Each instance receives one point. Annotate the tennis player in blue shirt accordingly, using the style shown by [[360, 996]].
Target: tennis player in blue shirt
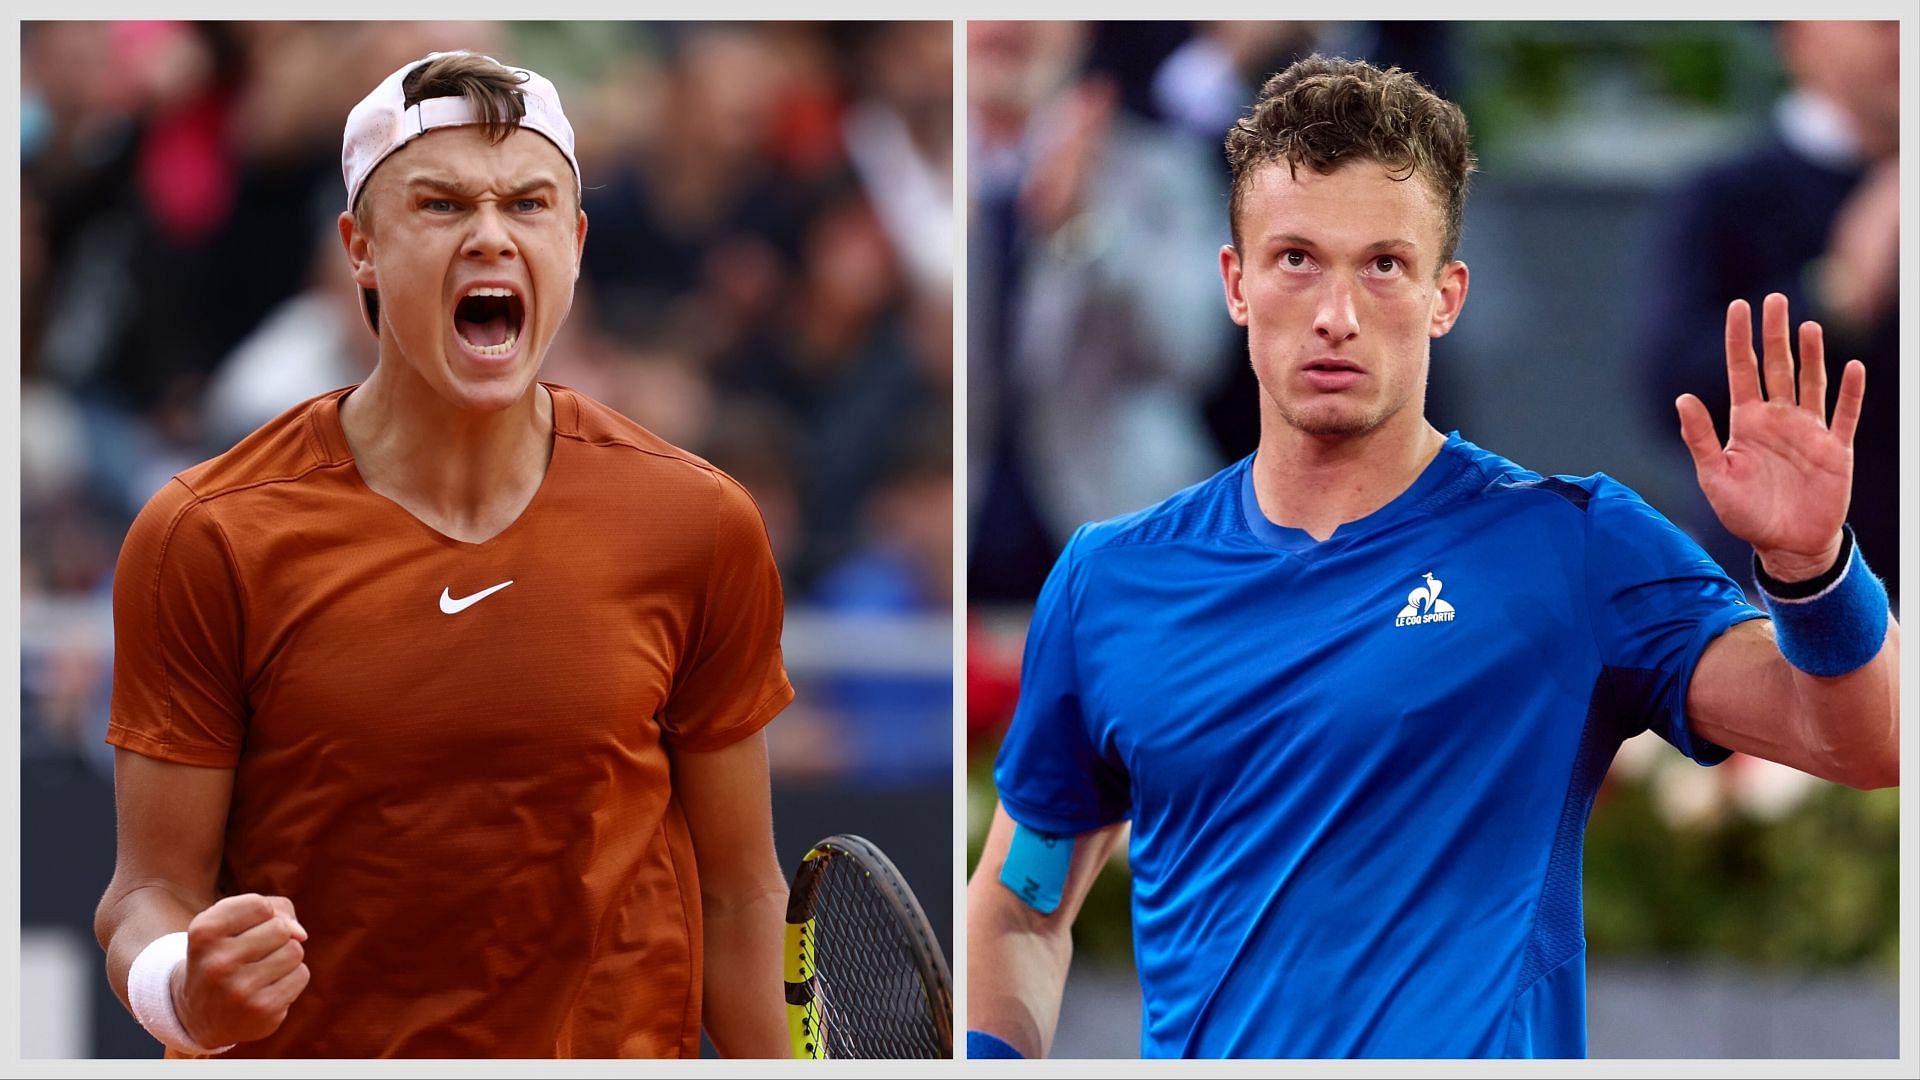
[[1355, 693]]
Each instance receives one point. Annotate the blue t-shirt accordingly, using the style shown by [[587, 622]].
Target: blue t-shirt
[[1359, 770]]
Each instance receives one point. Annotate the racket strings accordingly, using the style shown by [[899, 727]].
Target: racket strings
[[873, 1001]]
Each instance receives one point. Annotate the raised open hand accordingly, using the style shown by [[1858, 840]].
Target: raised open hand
[[1784, 479]]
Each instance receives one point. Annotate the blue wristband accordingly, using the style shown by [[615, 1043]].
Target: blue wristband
[[982, 1045], [1834, 623]]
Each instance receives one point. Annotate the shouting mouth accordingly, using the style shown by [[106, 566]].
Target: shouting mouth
[[488, 319]]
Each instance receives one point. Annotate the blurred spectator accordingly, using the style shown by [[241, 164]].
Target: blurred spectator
[[1208, 82], [897, 725], [307, 345], [1089, 356], [900, 142], [1812, 212]]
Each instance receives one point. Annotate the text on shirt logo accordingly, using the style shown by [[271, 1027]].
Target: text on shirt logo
[[1424, 605]]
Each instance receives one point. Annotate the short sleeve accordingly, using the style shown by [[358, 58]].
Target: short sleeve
[[1050, 774], [178, 689], [1657, 601], [731, 680]]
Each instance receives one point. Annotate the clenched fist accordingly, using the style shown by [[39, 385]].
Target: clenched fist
[[244, 969]]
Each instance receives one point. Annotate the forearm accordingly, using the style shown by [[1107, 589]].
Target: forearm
[[744, 1001], [1017, 963], [1846, 721], [1850, 725]]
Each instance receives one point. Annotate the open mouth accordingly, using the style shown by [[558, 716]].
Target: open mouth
[[488, 320]]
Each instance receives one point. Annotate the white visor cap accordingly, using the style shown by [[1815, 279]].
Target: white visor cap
[[383, 122]]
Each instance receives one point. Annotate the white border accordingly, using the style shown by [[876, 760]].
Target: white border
[[958, 10]]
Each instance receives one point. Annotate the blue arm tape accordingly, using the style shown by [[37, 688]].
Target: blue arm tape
[[1836, 629], [982, 1045], [1036, 867]]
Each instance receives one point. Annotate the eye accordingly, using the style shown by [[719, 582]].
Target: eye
[[529, 205], [1293, 258], [437, 206], [1385, 264]]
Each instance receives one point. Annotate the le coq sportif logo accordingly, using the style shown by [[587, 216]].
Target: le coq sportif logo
[[1424, 604]]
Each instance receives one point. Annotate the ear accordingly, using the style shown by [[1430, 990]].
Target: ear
[[1230, 280], [359, 245], [579, 244], [1452, 297]]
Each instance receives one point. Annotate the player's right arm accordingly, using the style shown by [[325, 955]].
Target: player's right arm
[[245, 957], [178, 723], [1017, 956]]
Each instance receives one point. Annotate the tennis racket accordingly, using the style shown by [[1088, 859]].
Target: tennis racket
[[865, 975]]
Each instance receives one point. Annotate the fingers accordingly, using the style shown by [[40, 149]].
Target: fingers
[[1846, 410], [282, 992], [1743, 381], [1813, 370], [283, 906], [256, 943], [1696, 430], [280, 963], [1776, 348], [233, 915]]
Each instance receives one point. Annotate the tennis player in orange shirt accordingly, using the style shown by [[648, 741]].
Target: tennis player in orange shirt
[[438, 700]]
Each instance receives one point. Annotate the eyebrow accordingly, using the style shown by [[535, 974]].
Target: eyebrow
[[455, 186], [1377, 246]]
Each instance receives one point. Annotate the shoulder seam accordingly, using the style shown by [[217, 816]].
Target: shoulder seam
[[159, 568], [682, 457], [315, 444], [706, 585], [235, 489], [153, 605]]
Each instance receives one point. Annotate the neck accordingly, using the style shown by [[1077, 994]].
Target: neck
[[1317, 483], [467, 474]]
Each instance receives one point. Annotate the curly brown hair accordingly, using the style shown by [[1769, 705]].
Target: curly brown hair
[[1324, 112]]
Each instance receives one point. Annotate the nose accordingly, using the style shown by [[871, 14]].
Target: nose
[[1334, 319], [490, 238]]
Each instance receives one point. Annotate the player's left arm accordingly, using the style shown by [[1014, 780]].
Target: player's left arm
[[728, 800], [1817, 688]]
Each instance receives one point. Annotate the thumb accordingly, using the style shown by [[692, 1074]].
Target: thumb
[[1696, 430]]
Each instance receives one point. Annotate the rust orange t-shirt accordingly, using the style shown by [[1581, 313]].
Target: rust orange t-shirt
[[453, 757]]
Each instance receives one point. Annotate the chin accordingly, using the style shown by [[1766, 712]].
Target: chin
[[488, 394], [1330, 423]]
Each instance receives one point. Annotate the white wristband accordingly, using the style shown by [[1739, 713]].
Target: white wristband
[[150, 992]]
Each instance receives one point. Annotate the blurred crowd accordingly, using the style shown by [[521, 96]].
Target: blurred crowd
[[767, 283]]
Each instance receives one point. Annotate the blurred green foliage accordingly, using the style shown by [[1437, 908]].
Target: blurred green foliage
[[1820, 887], [1524, 77]]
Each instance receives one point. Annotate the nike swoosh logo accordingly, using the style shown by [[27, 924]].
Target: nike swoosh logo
[[454, 607]]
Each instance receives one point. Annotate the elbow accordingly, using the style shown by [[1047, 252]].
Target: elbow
[[995, 914], [107, 914], [103, 922]]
